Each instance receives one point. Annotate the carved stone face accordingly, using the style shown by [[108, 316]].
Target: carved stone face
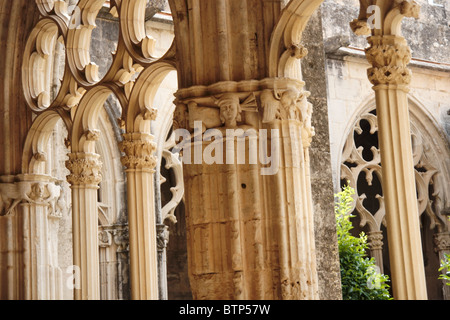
[[37, 191], [230, 110]]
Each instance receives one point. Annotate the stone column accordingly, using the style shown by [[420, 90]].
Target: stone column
[[250, 230], [162, 231], [31, 204], [84, 179], [140, 163], [375, 243], [442, 247], [389, 55], [43, 278], [121, 240], [249, 219]]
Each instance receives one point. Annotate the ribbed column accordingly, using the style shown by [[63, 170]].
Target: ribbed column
[[43, 279], [389, 56], [249, 215], [84, 179], [140, 163]]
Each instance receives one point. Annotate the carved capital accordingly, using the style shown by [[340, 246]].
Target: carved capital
[[139, 150], [33, 190], [375, 240], [85, 169], [389, 57], [442, 241], [290, 104]]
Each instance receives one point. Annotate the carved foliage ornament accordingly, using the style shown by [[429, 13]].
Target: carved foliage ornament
[[389, 57], [139, 151], [85, 169]]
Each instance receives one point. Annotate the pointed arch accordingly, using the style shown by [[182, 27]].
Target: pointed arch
[[36, 143]]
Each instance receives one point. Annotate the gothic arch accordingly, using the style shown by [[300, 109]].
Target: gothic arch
[[36, 143], [359, 164], [421, 121]]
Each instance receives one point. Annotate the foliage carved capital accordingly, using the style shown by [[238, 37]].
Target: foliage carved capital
[[139, 150], [389, 57], [85, 169]]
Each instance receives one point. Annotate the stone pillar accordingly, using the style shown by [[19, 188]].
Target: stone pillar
[[84, 179], [43, 278], [250, 229], [140, 162], [162, 231], [375, 243], [121, 240], [389, 55], [249, 219], [442, 247], [31, 205]]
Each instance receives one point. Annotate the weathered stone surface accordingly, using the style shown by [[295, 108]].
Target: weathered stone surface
[[321, 178]]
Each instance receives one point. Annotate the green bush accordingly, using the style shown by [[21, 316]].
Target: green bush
[[359, 276], [445, 264]]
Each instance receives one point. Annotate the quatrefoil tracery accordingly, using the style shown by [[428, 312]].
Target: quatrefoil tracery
[[82, 91]]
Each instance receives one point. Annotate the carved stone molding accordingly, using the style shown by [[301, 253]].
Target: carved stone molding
[[231, 104], [85, 169], [139, 150]]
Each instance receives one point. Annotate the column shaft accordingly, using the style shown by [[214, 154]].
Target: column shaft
[[84, 179], [140, 164]]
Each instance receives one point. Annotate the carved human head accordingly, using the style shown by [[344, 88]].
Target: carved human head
[[37, 190], [289, 98], [230, 109]]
